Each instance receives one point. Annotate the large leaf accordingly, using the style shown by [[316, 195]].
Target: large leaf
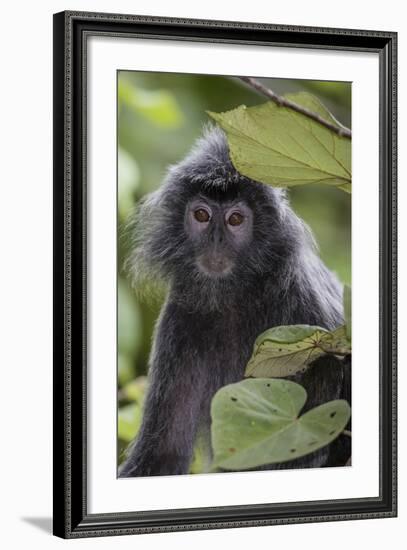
[[285, 350], [279, 146], [255, 422]]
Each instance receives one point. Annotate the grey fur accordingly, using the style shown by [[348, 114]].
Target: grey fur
[[206, 330]]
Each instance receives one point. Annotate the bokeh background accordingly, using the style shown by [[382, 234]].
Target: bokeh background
[[159, 117]]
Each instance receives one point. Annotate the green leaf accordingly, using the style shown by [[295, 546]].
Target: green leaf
[[202, 457], [129, 321], [286, 350], [347, 187], [158, 106], [125, 371], [128, 181], [255, 422], [135, 390], [347, 308], [336, 342], [279, 146], [288, 334], [129, 421]]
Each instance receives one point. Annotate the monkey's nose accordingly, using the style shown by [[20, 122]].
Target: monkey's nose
[[215, 264]]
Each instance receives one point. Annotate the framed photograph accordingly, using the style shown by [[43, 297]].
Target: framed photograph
[[224, 274]]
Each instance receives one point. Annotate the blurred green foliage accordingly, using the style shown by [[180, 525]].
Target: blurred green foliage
[[159, 117]]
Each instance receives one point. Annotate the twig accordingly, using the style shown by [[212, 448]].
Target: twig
[[284, 102], [347, 432]]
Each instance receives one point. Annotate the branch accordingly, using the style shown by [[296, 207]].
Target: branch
[[283, 102]]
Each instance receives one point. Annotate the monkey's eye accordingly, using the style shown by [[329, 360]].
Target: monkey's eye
[[201, 215], [235, 219]]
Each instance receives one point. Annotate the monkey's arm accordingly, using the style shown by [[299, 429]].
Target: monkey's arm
[[164, 445]]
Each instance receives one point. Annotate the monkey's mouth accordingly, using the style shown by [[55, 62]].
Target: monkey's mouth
[[214, 265]]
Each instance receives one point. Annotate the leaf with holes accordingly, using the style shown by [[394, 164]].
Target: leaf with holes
[[276, 145], [256, 422], [286, 350]]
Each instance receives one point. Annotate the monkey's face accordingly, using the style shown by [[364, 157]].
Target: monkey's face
[[220, 231]]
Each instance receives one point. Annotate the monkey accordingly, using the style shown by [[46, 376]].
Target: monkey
[[236, 260]]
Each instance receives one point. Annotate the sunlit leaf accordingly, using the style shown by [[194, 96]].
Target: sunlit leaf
[[202, 457], [128, 181], [347, 187], [129, 421], [255, 422], [135, 390], [124, 368], [129, 322], [279, 146], [338, 92], [158, 106], [286, 350]]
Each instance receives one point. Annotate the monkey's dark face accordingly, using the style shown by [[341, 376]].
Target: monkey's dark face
[[219, 232], [211, 232]]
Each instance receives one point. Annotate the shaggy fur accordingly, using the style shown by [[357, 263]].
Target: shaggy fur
[[205, 333]]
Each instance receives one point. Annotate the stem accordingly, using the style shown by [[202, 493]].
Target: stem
[[284, 102], [341, 352], [347, 432]]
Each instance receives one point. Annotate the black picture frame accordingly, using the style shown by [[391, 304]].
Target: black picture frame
[[71, 518]]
